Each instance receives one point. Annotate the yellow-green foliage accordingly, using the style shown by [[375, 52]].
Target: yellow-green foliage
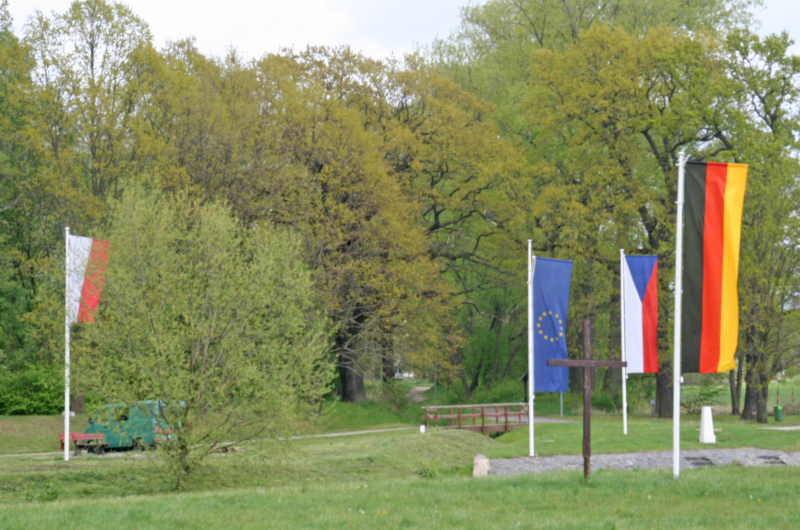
[[201, 310]]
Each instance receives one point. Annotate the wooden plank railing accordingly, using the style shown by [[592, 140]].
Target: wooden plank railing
[[495, 417]]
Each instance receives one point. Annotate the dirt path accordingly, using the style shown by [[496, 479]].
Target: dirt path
[[416, 393]]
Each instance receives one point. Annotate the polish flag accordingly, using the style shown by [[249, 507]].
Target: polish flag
[[640, 307], [86, 268]]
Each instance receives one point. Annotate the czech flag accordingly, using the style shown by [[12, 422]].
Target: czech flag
[[714, 203], [640, 310], [86, 267]]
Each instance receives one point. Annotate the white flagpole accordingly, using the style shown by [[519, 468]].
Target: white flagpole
[[66, 348], [531, 262], [676, 362], [622, 343]]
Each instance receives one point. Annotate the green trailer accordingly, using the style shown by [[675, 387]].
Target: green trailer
[[136, 426]]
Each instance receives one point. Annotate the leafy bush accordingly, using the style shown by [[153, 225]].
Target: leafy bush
[[706, 392], [641, 389], [396, 396], [33, 390], [602, 400], [509, 391], [429, 469]]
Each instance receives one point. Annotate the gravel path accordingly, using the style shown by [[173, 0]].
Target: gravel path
[[655, 460]]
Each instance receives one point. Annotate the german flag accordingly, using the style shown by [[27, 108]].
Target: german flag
[[710, 329]]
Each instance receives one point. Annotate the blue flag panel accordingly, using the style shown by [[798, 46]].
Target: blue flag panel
[[551, 279], [641, 268]]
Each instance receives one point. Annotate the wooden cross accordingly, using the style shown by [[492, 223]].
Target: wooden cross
[[587, 390]]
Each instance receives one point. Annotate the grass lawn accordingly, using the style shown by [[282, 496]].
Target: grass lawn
[[262, 464], [646, 434], [400, 480], [345, 417], [729, 497], [35, 434]]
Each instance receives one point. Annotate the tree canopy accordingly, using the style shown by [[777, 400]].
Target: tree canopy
[[405, 189]]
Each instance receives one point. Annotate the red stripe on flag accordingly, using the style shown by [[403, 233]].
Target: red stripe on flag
[[713, 243], [93, 281], [650, 323]]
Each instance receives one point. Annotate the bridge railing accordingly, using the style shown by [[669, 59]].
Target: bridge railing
[[489, 417]]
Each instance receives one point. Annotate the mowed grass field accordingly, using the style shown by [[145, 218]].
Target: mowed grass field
[[403, 480], [35, 434], [648, 434], [731, 497]]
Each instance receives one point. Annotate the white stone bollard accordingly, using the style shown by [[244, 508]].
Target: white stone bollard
[[480, 466], [707, 427], [422, 429]]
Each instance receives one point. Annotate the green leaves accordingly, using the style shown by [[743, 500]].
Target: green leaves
[[201, 310]]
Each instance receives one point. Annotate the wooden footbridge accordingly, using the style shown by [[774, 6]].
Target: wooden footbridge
[[491, 417]]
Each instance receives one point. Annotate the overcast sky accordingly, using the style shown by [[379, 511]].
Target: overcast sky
[[375, 27]]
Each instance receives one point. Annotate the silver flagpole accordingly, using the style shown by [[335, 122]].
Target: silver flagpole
[[676, 362], [531, 262], [622, 343], [66, 348]]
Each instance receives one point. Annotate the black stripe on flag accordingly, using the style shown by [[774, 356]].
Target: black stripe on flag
[[692, 320]]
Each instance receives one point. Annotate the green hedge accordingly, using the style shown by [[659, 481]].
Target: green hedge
[[32, 390]]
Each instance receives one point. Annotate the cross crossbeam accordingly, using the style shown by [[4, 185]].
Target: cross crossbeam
[[580, 363], [586, 363]]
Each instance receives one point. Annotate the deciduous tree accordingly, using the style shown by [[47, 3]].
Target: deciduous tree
[[203, 311]]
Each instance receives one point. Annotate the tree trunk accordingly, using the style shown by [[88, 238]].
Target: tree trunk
[[594, 375], [511, 361], [761, 404], [739, 381], [463, 378], [458, 361], [736, 382], [79, 404], [576, 373], [387, 368], [664, 377], [749, 409], [762, 393], [499, 322], [476, 377], [612, 381], [664, 407], [352, 379], [351, 374], [735, 393], [576, 380]]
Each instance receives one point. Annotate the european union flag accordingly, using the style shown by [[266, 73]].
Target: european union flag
[[551, 279]]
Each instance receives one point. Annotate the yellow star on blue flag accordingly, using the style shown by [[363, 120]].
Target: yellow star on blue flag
[[551, 282]]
